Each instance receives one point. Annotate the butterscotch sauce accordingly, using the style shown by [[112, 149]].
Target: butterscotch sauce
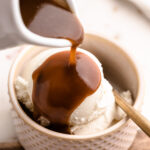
[[47, 19], [59, 88], [65, 79]]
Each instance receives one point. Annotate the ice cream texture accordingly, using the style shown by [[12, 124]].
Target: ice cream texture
[[94, 114]]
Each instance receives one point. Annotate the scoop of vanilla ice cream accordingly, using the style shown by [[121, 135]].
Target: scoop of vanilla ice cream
[[94, 114]]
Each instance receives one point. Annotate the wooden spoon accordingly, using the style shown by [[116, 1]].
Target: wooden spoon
[[136, 116]]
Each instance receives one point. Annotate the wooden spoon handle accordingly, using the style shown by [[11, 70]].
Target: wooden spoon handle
[[136, 116]]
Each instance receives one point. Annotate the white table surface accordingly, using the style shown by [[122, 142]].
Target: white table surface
[[116, 20]]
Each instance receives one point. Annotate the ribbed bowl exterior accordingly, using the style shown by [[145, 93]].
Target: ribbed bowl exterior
[[32, 139]]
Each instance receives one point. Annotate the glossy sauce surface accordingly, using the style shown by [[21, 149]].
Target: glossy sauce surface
[[59, 88], [65, 79], [47, 19]]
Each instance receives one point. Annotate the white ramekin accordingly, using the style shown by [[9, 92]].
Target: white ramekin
[[119, 67]]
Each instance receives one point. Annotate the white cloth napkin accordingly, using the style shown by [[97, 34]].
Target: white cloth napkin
[[7, 132]]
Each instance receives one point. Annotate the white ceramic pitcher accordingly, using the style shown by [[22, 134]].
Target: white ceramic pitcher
[[13, 31]]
